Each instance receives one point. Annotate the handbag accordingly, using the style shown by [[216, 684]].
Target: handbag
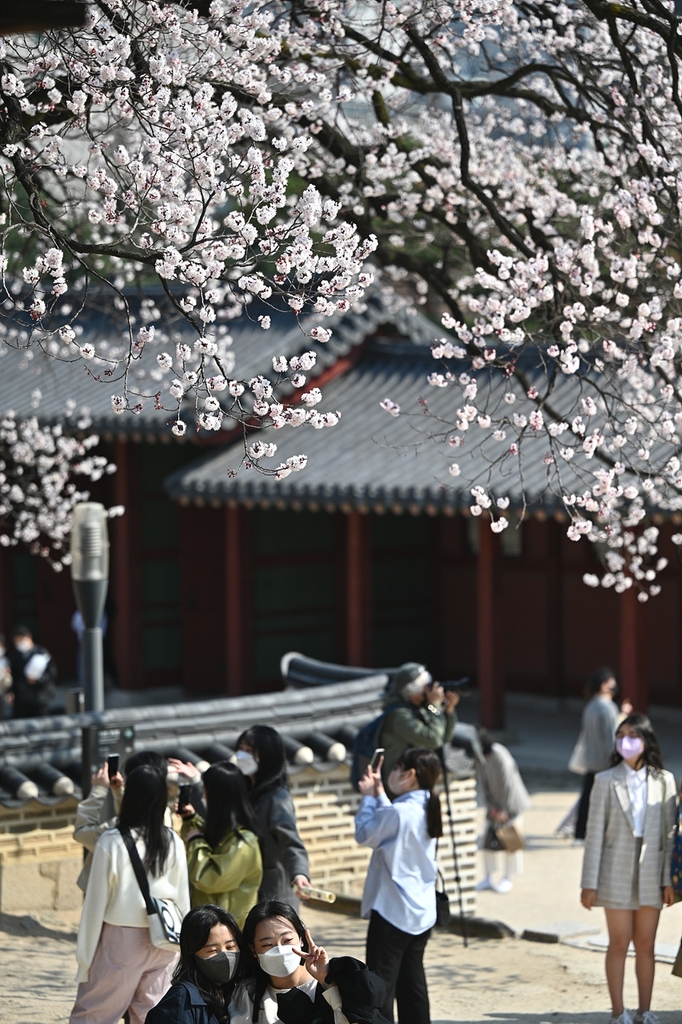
[[442, 903], [491, 840], [511, 837], [163, 916]]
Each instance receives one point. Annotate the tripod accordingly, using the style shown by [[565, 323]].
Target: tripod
[[455, 858]]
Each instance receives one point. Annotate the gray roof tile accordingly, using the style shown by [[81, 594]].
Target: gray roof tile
[[373, 461], [71, 394]]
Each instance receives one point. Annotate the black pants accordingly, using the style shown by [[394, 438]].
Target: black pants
[[398, 959], [584, 806]]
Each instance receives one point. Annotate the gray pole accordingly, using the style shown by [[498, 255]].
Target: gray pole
[[93, 669], [90, 576], [90, 597]]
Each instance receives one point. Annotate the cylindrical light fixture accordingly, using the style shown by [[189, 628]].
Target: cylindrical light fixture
[[89, 544]]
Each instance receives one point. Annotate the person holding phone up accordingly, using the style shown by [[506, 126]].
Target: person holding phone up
[[99, 811], [223, 855], [417, 713], [399, 897]]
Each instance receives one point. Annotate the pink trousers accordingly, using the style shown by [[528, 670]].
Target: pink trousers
[[127, 973]]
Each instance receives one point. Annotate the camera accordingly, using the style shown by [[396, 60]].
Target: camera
[[450, 685]]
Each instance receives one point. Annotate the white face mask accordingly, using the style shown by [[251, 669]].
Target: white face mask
[[24, 646], [2, 651], [247, 763], [280, 961]]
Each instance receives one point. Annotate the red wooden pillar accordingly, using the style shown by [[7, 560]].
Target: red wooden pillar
[[489, 681], [632, 670], [358, 590], [556, 671], [234, 603], [124, 560]]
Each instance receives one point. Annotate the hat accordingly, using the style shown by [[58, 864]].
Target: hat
[[411, 679]]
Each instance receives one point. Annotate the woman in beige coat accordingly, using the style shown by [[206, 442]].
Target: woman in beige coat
[[626, 868]]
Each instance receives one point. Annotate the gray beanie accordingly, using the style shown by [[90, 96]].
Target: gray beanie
[[411, 679]]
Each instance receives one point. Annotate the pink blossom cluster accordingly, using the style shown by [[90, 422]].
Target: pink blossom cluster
[[38, 465]]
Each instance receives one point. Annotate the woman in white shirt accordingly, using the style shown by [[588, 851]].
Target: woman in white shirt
[[399, 895], [118, 967], [626, 867]]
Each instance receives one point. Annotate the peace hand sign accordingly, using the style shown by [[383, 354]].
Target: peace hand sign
[[316, 961]]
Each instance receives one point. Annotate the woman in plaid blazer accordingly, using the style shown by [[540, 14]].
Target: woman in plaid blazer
[[626, 868]]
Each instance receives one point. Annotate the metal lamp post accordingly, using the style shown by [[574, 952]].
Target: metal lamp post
[[90, 575]]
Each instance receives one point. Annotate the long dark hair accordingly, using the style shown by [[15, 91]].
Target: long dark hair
[[268, 748], [143, 808], [193, 937], [652, 756], [150, 757], [228, 807], [426, 765], [596, 680], [263, 911]]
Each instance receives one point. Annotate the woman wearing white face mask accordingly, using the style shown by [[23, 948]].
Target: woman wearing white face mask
[[626, 868], [261, 757], [290, 980], [399, 896]]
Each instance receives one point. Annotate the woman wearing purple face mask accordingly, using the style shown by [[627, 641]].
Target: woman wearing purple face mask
[[626, 868]]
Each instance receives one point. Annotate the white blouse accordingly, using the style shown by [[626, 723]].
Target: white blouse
[[637, 788]]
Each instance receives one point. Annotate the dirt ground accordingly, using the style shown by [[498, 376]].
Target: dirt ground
[[510, 980]]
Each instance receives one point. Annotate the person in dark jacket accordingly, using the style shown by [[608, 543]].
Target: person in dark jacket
[[420, 714], [34, 675], [287, 979], [262, 758], [211, 947]]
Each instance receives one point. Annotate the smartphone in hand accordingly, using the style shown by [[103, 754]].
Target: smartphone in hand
[[376, 757], [112, 764], [184, 797]]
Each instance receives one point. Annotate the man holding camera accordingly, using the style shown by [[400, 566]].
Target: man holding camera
[[422, 715]]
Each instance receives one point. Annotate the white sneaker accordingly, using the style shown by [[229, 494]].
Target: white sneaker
[[624, 1018], [485, 883], [504, 885], [646, 1017]]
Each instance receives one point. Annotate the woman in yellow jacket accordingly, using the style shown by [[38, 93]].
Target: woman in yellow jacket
[[223, 853]]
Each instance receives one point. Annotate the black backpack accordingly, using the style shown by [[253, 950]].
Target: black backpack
[[365, 744]]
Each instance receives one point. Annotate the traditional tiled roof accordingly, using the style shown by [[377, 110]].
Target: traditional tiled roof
[[71, 394], [317, 726], [372, 461]]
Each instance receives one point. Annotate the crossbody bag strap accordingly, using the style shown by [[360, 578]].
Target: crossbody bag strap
[[138, 869], [440, 873]]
